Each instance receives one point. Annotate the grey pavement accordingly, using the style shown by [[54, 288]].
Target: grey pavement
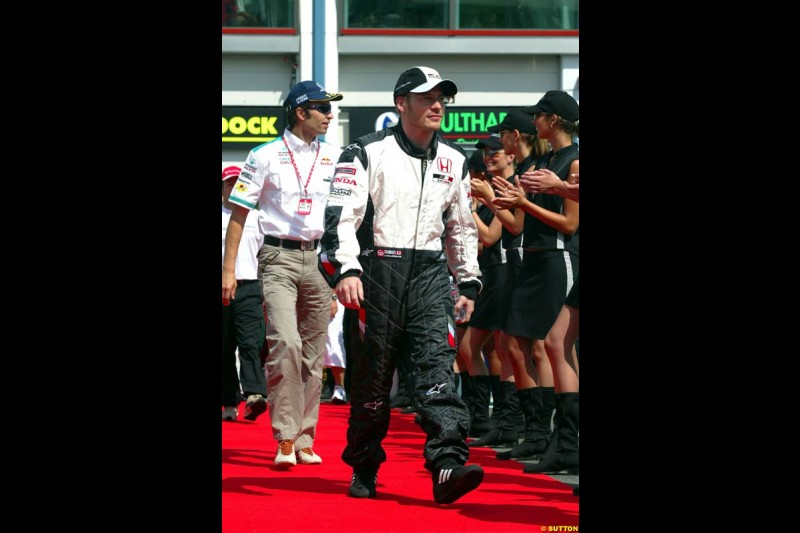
[[571, 480]]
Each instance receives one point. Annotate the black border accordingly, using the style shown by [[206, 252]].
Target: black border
[[147, 260]]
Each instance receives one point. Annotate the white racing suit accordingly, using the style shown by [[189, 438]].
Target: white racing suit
[[400, 218]]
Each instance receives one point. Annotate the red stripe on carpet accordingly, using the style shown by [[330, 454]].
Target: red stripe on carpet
[[258, 497]]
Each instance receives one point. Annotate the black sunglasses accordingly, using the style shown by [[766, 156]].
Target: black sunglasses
[[322, 108]]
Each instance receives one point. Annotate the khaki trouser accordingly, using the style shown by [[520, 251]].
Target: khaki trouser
[[298, 303]]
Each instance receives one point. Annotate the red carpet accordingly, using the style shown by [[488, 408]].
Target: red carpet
[[257, 497]]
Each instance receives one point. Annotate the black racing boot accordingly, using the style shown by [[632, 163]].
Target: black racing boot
[[480, 423], [452, 481], [504, 432], [564, 456], [363, 482]]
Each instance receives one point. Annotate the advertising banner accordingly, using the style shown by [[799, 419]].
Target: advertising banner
[[247, 127]]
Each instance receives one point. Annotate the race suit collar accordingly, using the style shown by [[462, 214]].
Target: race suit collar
[[408, 147]]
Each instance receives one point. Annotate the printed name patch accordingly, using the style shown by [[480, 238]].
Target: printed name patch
[[443, 178], [344, 170], [336, 191], [389, 253]]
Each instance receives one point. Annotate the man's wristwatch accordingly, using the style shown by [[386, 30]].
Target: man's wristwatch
[[334, 297]]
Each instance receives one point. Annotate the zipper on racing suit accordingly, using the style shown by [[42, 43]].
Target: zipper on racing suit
[[424, 167]]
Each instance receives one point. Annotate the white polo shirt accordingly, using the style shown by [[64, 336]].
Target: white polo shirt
[[252, 239], [270, 183]]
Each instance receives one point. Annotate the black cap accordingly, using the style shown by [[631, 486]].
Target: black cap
[[476, 161], [556, 102], [492, 142], [421, 80], [516, 119]]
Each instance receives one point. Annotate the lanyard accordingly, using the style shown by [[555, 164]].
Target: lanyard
[[297, 172]]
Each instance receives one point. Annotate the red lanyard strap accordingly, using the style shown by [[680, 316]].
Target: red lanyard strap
[[296, 171]]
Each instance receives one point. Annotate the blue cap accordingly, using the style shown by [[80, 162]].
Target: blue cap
[[308, 91]]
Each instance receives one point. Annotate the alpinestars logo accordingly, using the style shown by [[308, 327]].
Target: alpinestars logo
[[373, 405], [436, 389]]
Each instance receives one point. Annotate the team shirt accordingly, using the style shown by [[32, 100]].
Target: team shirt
[[252, 239], [288, 181]]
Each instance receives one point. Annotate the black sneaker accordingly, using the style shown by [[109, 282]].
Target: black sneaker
[[453, 481], [362, 484], [399, 401], [326, 393], [255, 405]]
